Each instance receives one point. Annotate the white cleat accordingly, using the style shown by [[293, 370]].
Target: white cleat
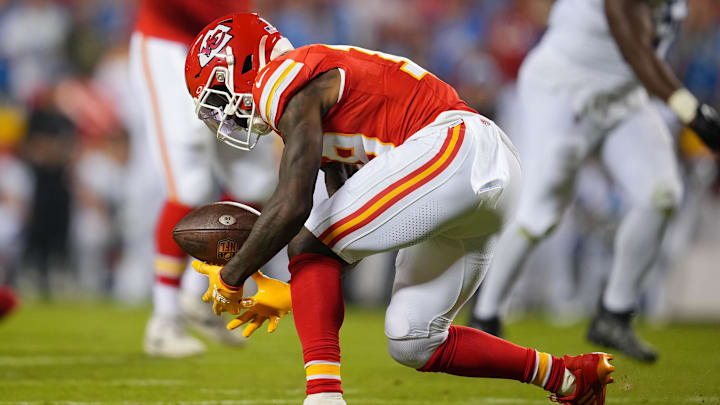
[[201, 318], [165, 336], [325, 398]]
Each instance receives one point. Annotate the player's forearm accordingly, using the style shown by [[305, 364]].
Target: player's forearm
[[631, 25], [280, 221], [653, 73], [288, 208]]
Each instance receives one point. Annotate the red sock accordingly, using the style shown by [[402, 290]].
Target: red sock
[[170, 260], [472, 353], [8, 301], [318, 309]]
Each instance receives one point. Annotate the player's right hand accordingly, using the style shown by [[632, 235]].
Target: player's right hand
[[706, 125], [224, 298]]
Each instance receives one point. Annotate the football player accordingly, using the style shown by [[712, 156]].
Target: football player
[[437, 182], [585, 90], [189, 162]]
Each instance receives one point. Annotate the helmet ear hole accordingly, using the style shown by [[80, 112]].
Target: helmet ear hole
[[247, 65]]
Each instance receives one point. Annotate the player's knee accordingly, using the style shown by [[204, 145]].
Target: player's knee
[[668, 198], [415, 352], [537, 225], [665, 197]]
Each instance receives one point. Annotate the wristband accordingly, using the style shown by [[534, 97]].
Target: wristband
[[227, 286], [684, 104]]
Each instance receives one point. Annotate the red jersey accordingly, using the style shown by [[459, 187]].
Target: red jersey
[[181, 20], [384, 99]]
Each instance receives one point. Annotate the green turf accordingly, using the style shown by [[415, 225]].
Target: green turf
[[91, 353]]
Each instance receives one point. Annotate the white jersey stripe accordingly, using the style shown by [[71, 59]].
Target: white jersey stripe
[[276, 95], [342, 84], [323, 377], [268, 87], [537, 364]]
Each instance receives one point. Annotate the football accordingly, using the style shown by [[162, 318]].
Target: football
[[214, 232]]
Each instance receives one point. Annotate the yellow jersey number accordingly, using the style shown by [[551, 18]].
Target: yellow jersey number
[[407, 66]]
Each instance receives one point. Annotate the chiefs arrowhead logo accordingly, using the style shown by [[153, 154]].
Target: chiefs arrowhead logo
[[213, 42]]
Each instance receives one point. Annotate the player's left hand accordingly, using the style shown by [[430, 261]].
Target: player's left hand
[[271, 302], [702, 119], [224, 298], [706, 125]]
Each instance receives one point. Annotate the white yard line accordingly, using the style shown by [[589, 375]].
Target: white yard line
[[25, 361], [358, 401], [227, 402], [149, 382]]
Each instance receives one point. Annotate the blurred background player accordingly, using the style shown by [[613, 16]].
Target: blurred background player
[[586, 89], [190, 162]]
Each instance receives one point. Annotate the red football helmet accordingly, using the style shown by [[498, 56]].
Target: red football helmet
[[220, 70]]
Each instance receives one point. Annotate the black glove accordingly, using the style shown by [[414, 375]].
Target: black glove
[[707, 126]]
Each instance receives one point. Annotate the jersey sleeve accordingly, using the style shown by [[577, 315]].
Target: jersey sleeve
[[275, 85]]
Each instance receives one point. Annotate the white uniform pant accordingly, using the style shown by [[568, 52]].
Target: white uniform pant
[[438, 198], [638, 152], [186, 151]]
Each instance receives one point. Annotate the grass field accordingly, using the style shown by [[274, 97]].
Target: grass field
[[83, 354]]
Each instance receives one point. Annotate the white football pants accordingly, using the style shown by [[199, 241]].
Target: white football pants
[[439, 199], [639, 154]]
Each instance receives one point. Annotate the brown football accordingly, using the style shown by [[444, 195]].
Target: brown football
[[214, 232]]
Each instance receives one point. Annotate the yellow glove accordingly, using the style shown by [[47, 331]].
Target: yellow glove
[[272, 302], [224, 297]]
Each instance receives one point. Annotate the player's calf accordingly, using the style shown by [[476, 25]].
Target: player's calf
[[170, 261], [319, 310], [165, 334], [573, 379]]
